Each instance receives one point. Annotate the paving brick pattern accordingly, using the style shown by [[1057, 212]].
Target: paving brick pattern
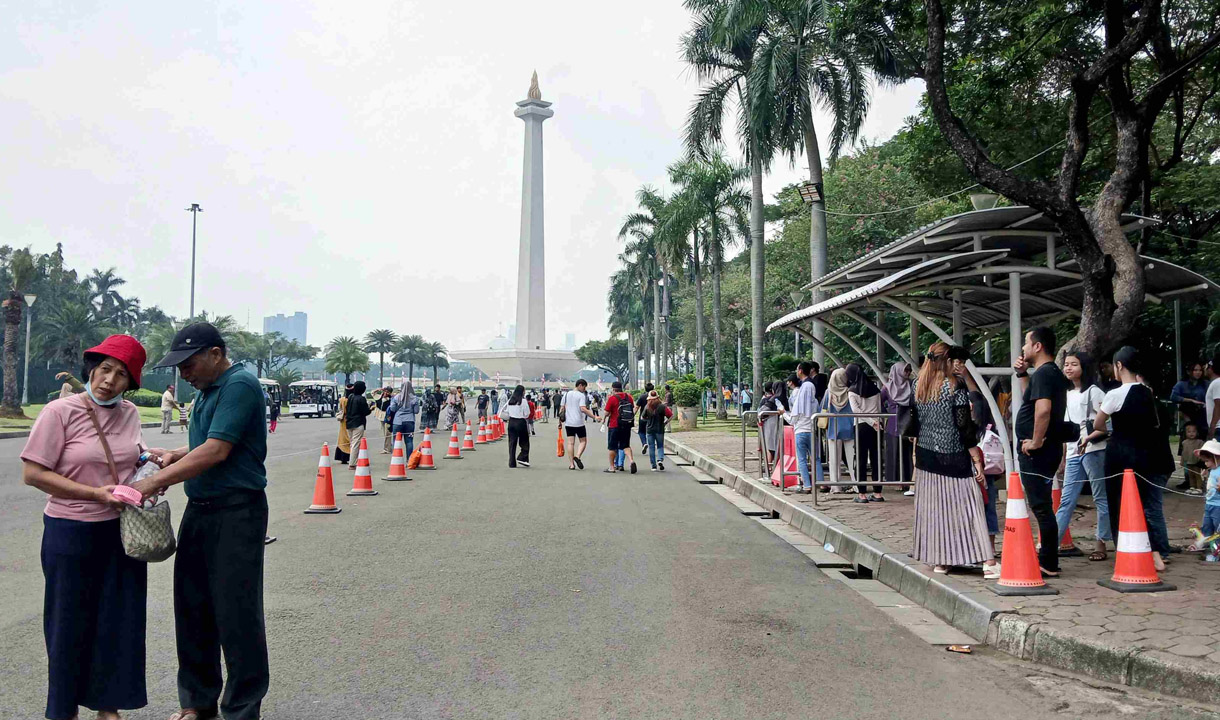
[[1184, 623]]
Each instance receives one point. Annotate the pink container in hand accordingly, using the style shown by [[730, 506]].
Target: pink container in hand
[[128, 494]]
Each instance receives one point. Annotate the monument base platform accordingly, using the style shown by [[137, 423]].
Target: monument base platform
[[521, 363]]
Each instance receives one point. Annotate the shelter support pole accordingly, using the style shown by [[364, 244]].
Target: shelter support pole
[[851, 343], [880, 340], [914, 332], [957, 317], [1015, 342], [1010, 462], [881, 334], [819, 344], [1177, 342]]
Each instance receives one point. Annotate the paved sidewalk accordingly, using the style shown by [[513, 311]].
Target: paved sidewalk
[[1180, 628]]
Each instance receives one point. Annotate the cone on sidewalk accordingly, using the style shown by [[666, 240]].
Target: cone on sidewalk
[[362, 484], [1067, 548], [323, 488], [1019, 571], [454, 452], [425, 452], [482, 437], [398, 461], [1134, 570], [468, 441]]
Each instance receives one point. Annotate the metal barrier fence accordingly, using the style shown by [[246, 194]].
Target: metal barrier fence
[[827, 455]]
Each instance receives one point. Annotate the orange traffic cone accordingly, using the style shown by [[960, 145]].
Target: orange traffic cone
[[482, 437], [323, 488], [1019, 571], [1067, 548], [454, 452], [499, 428], [398, 461], [1133, 568], [425, 452], [363, 482], [468, 441]]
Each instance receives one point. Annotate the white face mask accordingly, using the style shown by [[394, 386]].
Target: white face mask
[[104, 403]]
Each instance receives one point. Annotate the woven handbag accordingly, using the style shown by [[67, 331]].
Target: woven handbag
[[146, 531]]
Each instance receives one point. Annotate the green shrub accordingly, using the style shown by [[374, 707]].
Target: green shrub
[[144, 398], [686, 394]]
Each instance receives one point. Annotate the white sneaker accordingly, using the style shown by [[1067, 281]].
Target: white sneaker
[[910, 493], [522, 462], [991, 572]]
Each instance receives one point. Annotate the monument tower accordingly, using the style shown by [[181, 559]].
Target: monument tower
[[529, 359]]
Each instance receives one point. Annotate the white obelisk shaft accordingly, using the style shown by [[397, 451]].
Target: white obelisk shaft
[[531, 265]]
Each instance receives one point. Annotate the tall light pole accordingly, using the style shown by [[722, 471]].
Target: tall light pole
[[194, 210], [796, 335], [812, 195], [25, 382], [741, 325]]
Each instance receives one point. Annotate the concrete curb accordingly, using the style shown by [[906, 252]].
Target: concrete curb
[[7, 434], [983, 616]]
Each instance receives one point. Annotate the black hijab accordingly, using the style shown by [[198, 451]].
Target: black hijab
[[860, 383], [820, 382]]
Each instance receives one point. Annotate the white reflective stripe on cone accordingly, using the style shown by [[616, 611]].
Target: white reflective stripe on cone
[[1016, 509], [1133, 542]]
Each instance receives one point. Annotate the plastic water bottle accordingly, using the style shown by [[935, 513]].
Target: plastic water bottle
[[146, 469]]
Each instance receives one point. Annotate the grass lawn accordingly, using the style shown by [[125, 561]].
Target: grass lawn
[[147, 414]]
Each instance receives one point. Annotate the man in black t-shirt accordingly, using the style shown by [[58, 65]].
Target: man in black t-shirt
[[1039, 435], [640, 403]]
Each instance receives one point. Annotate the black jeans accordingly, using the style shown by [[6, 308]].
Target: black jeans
[[867, 454], [1037, 472], [518, 434], [218, 604]]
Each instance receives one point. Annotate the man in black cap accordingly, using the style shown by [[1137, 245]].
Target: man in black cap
[[218, 571]]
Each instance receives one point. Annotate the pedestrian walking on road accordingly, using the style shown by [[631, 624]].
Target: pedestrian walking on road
[[356, 416], [483, 403], [519, 412], [94, 597], [1139, 442], [343, 446], [654, 416], [404, 407], [495, 402], [620, 418], [950, 525], [641, 403], [575, 409], [218, 569], [168, 405], [273, 415], [1041, 435]]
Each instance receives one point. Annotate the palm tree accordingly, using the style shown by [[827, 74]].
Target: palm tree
[[345, 355], [102, 284], [437, 357], [802, 61], [71, 328], [380, 342], [647, 227], [286, 377], [627, 317], [21, 272], [640, 261], [721, 48], [712, 194], [411, 349]]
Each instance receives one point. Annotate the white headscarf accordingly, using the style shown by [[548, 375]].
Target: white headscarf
[[838, 389]]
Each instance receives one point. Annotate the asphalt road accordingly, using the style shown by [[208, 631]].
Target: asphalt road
[[476, 591]]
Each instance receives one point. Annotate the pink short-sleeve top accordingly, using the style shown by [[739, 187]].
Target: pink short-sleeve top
[[63, 440]]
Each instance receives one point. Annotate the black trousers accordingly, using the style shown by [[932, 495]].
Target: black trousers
[[899, 461], [518, 434], [218, 605], [867, 454], [93, 618], [1037, 472]]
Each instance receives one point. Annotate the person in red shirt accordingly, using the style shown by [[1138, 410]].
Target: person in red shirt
[[620, 418]]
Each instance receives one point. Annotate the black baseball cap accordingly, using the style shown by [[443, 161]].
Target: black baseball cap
[[190, 340]]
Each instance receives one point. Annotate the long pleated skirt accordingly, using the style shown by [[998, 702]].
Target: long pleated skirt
[[950, 528]]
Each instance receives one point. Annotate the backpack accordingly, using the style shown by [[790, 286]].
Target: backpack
[[993, 452], [430, 405], [626, 410]]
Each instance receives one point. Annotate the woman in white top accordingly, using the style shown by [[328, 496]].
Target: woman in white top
[[519, 412], [865, 398], [1084, 460]]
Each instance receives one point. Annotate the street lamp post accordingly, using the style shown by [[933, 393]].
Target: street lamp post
[[25, 382], [796, 335], [194, 210], [741, 325]]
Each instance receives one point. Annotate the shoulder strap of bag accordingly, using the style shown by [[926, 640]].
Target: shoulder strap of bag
[[97, 426]]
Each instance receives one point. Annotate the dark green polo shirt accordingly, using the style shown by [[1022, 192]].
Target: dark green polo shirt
[[230, 409]]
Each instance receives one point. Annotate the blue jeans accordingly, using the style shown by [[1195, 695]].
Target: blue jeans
[[993, 520], [1154, 514], [804, 446], [1211, 520], [1078, 470], [408, 437], [656, 448], [619, 458]]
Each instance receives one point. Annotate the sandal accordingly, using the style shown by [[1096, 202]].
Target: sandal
[[189, 715], [1097, 556], [1049, 573]]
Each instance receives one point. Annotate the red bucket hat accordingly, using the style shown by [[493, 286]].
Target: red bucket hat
[[126, 350]]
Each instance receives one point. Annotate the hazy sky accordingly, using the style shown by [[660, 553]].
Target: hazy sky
[[357, 161]]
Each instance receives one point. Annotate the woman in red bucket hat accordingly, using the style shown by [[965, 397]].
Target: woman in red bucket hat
[[95, 595]]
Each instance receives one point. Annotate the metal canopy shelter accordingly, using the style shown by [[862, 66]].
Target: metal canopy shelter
[[983, 271]]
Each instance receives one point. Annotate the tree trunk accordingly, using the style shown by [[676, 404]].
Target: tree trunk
[[648, 334], [700, 363], [817, 225], [631, 358], [411, 372], [658, 376], [381, 372], [722, 412], [12, 326], [665, 326], [757, 266]]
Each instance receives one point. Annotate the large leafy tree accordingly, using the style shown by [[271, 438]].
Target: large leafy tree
[[645, 227], [438, 357], [380, 342], [412, 350], [609, 355], [345, 355], [627, 315], [104, 286]]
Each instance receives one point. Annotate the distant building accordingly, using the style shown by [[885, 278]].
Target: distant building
[[292, 327], [569, 342]]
